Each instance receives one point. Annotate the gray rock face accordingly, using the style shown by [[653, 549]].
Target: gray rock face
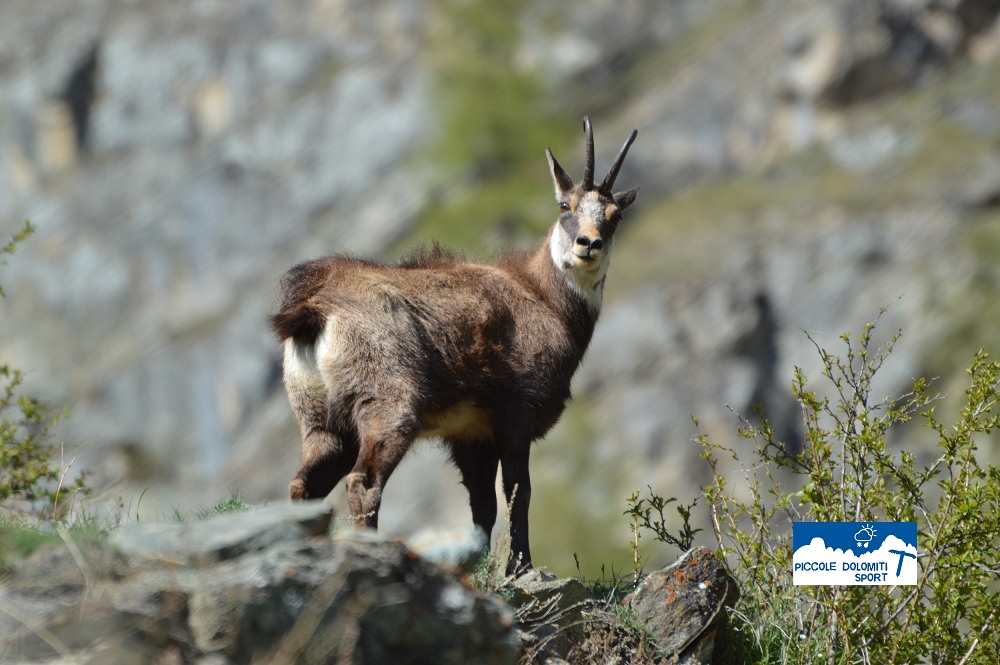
[[224, 146], [259, 586]]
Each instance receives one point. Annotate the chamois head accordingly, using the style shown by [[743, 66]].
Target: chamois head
[[581, 241]]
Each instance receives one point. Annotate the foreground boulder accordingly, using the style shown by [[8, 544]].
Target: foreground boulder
[[257, 587], [681, 609], [684, 605]]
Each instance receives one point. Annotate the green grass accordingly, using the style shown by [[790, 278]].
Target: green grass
[[572, 519], [971, 321], [18, 540], [696, 43], [496, 120], [23, 535], [489, 214], [234, 504]]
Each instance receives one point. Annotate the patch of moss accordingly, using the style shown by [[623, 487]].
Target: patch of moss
[[508, 211], [577, 501], [694, 43], [496, 120], [975, 317], [18, 541], [22, 536], [718, 211]]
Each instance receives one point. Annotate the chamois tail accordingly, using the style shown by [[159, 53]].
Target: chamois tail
[[300, 317], [302, 322]]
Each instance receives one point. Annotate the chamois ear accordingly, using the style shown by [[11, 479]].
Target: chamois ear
[[625, 199], [562, 181]]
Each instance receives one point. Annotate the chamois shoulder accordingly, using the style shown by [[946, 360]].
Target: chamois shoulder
[[430, 257], [533, 271]]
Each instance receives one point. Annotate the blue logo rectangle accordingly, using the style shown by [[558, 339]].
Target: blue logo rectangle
[[854, 553]]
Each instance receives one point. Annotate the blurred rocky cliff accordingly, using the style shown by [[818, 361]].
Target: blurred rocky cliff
[[802, 164]]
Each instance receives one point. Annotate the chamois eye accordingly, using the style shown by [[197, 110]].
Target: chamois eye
[[564, 206]]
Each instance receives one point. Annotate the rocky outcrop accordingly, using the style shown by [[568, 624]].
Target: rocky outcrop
[[264, 586], [270, 585], [552, 613], [682, 607]]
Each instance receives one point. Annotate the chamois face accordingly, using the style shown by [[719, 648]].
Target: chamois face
[[582, 238], [580, 242]]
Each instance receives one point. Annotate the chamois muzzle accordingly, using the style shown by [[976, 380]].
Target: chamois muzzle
[[589, 243]]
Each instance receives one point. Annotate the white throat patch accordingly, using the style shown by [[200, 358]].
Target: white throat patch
[[588, 281]]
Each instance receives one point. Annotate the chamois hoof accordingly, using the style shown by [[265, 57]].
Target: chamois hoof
[[297, 490]]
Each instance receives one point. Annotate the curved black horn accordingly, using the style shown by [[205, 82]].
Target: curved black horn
[[588, 169], [609, 180]]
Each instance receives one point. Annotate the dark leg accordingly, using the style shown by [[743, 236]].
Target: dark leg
[[478, 463], [327, 455], [517, 488], [326, 458], [384, 442]]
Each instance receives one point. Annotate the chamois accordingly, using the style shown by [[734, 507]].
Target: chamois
[[480, 356]]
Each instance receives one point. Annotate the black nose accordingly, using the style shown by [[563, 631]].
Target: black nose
[[596, 243]]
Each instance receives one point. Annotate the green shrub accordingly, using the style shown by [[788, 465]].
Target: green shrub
[[647, 514], [28, 471], [25, 462], [848, 472]]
